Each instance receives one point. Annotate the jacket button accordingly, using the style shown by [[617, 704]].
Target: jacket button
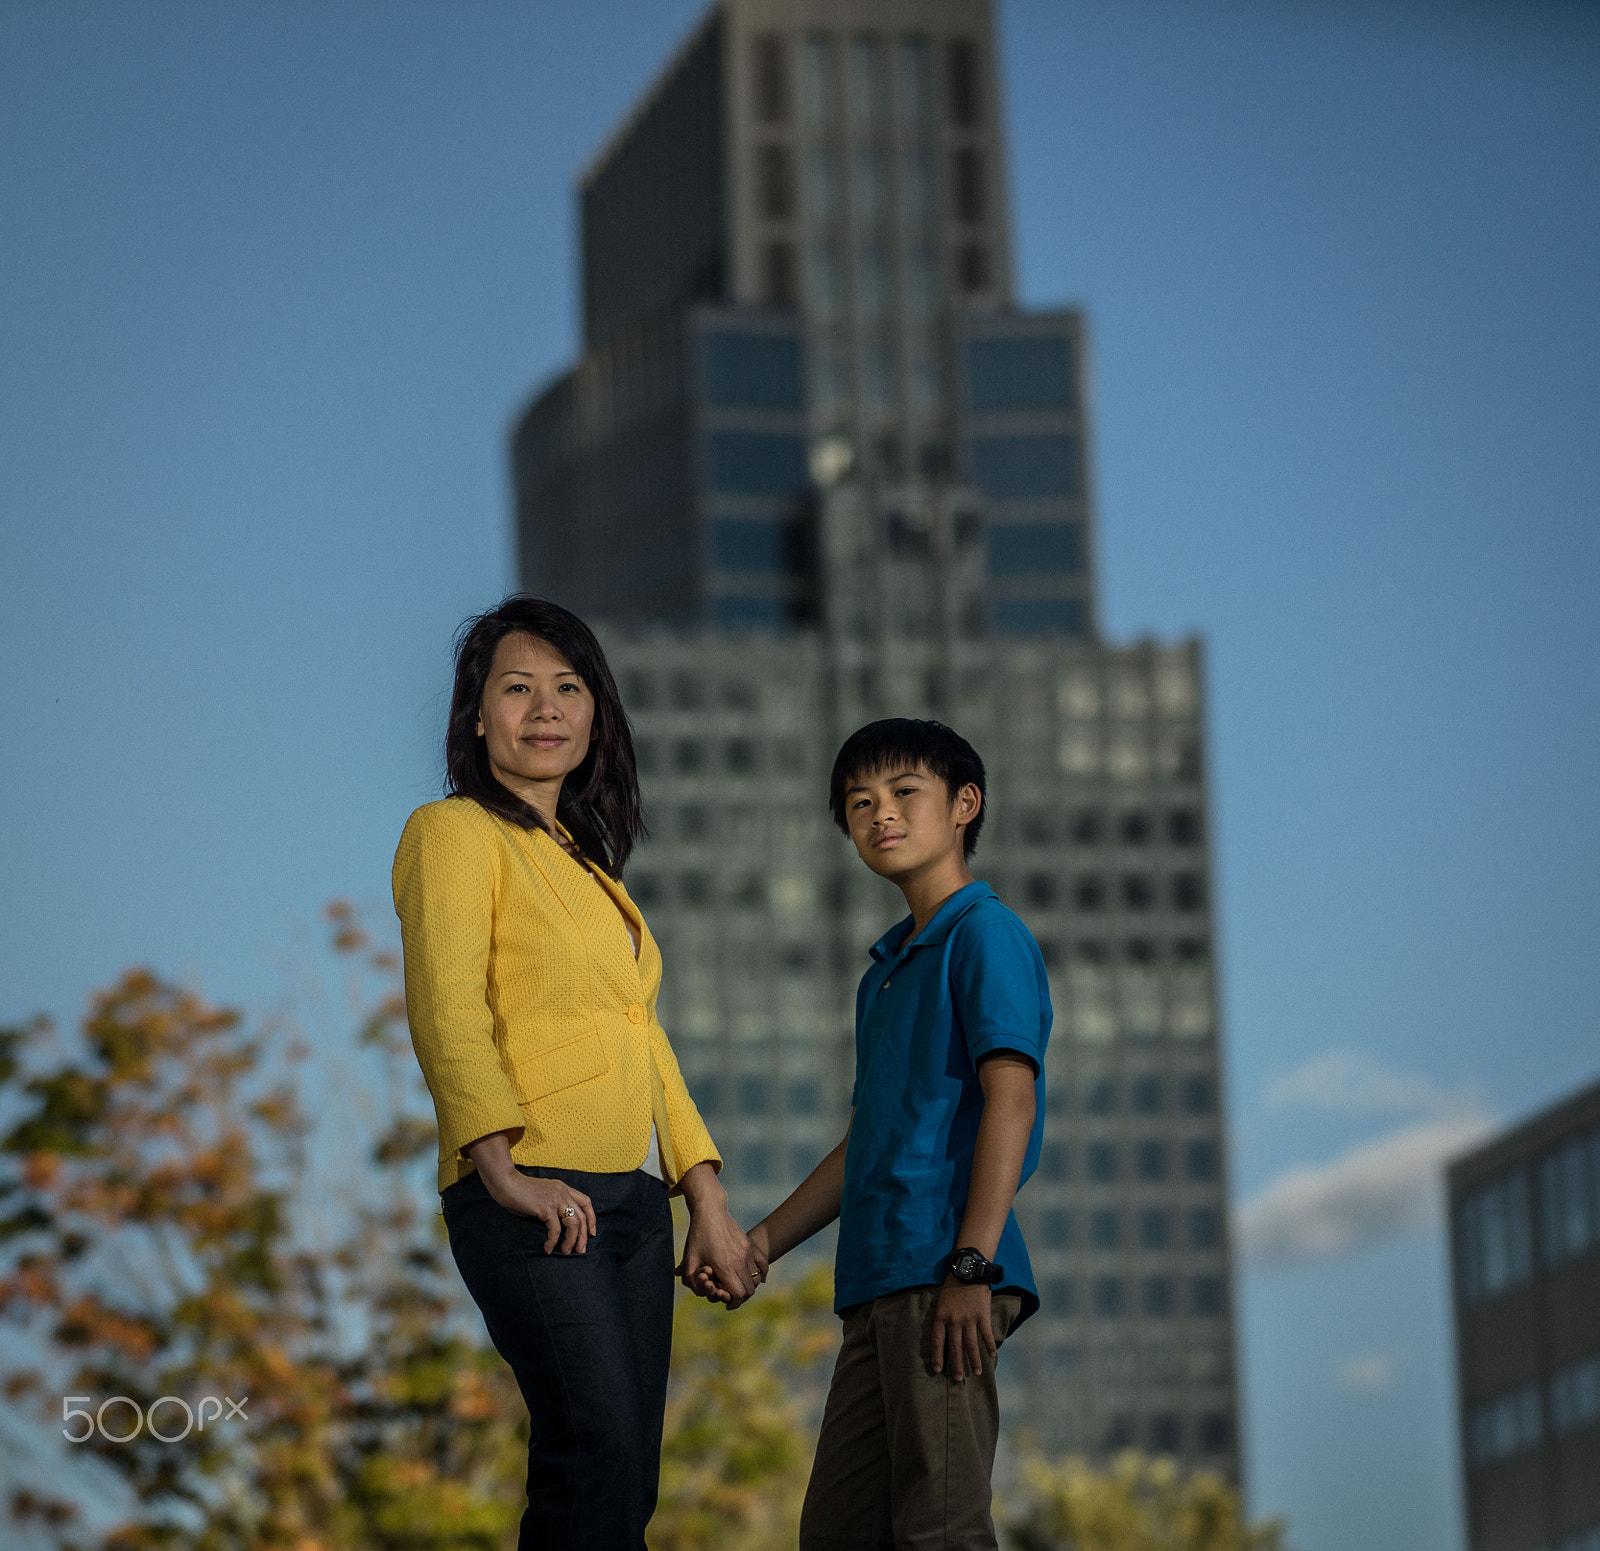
[[636, 1014]]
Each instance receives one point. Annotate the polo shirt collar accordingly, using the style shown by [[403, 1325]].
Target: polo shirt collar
[[889, 945]]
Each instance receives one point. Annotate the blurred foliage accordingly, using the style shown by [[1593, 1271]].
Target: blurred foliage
[[1138, 1504], [739, 1428]]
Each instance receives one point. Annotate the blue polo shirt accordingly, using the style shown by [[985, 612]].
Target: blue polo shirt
[[927, 1011]]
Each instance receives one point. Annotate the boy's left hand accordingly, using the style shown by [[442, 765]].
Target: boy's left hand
[[961, 1330]]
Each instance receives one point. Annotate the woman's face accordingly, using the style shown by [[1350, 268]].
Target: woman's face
[[535, 716]]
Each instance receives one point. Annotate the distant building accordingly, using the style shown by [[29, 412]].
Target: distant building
[[1525, 1240], [814, 467]]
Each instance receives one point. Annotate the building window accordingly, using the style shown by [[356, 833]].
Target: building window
[[770, 69], [756, 462], [972, 268], [1149, 1094], [1038, 616], [1151, 1159], [966, 184], [775, 182], [1183, 827], [1057, 1228], [755, 1095], [780, 275], [756, 1158], [868, 87], [1060, 1296], [1206, 1296], [694, 889], [1190, 950], [739, 756], [694, 822], [1139, 950], [1504, 1426], [1569, 1199], [803, 1158], [962, 99], [1575, 1396], [1088, 893], [1493, 1242], [1102, 1162], [1053, 1161], [688, 756], [1100, 1097], [1205, 1227], [1105, 1229], [645, 756], [756, 545], [1018, 374], [707, 1095], [1138, 893], [638, 691], [1025, 468], [1109, 1298], [733, 611], [1035, 548], [1155, 1228], [1216, 1432], [805, 1096], [646, 890], [1156, 1298], [1199, 1094], [751, 371], [1088, 827], [1200, 1160], [688, 692], [1188, 891], [1165, 1433], [907, 540], [1040, 890]]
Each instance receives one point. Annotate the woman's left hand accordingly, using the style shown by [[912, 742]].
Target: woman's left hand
[[719, 1262]]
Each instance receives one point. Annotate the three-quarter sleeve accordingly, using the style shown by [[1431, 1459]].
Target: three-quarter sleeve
[[689, 1139], [444, 889]]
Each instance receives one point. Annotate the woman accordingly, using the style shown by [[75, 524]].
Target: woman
[[564, 1123]]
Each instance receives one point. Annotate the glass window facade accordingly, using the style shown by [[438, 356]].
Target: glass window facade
[[1575, 1396], [756, 544], [1504, 1426], [1020, 468], [1493, 1241], [1569, 1199], [767, 463], [1033, 616], [752, 371], [735, 612], [1034, 548], [1019, 374]]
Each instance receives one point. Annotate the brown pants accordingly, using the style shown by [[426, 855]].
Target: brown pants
[[904, 1457]]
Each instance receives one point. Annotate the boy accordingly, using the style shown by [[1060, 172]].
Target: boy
[[946, 1118]]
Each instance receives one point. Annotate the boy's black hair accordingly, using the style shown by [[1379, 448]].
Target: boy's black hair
[[902, 743]]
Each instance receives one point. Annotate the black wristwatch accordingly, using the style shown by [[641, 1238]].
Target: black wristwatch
[[968, 1266]]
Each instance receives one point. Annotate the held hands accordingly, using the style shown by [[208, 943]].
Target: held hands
[[720, 1263], [961, 1330]]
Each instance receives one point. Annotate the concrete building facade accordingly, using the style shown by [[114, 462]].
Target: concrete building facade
[[1525, 1242], [815, 467]]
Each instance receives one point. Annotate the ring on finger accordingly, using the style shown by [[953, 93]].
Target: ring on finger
[[568, 1211]]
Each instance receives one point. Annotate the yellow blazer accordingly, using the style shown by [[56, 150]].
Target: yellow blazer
[[528, 1010]]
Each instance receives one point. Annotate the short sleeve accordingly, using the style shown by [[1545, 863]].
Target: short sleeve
[[998, 984]]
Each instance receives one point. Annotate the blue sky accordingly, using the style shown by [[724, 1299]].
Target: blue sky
[[274, 279]]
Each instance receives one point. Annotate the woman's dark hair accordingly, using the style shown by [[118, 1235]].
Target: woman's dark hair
[[901, 743], [599, 802]]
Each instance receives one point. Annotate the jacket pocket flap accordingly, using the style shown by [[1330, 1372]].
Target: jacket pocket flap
[[561, 1066]]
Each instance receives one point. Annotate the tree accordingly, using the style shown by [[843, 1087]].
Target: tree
[[167, 1229], [156, 1198], [1139, 1504]]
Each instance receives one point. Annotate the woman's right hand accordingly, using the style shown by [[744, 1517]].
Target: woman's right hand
[[567, 1212]]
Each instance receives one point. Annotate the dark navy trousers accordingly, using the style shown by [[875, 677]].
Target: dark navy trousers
[[589, 1338]]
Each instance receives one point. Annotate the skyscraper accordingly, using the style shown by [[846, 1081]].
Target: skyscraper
[[816, 467], [1525, 1236]]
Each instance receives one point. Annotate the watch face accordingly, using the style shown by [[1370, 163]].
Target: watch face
[[966, 1266]]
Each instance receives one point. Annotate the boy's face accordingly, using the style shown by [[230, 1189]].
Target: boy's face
[[903, 820]]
